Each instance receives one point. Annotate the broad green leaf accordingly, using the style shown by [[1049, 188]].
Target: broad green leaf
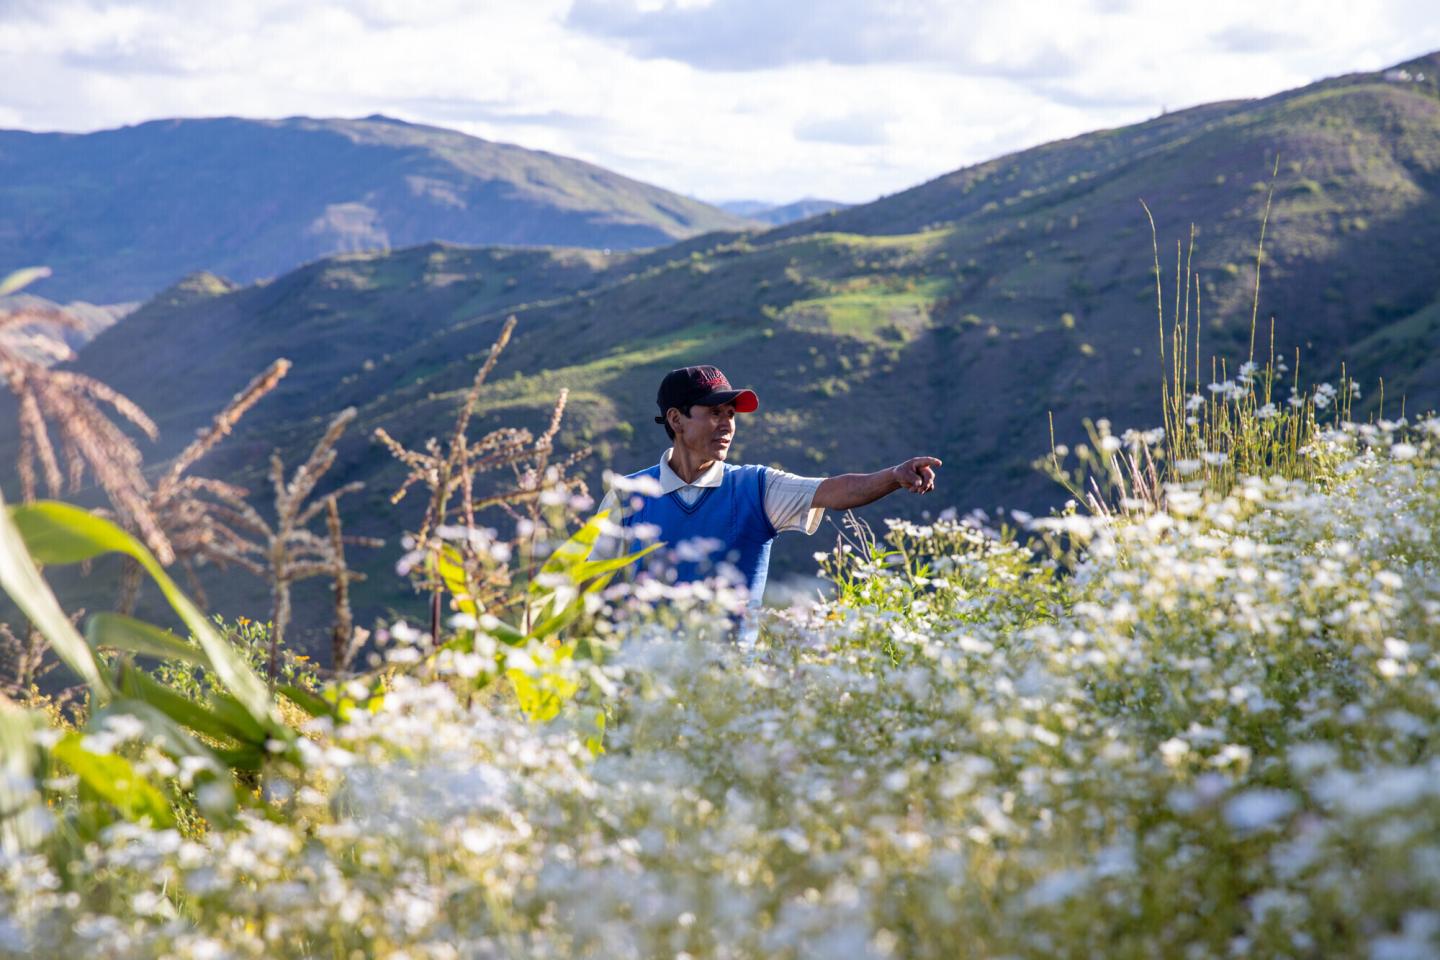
[[505, 633], [594, 568], [566, 616], [184, 711], [527, 694], [578, 547], [451, 568], [233, 713], [60, 533], [21, 579], [178, 743], [170, 736], [114, 779], [249, 758], [307, 701], [540, 697], [542, 690], [599, 583], [136, 636]]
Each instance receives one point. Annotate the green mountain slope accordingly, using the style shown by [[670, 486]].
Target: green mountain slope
[[122, 213], [936, 321]]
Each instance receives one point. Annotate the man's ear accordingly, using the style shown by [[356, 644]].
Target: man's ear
[[672, 417]]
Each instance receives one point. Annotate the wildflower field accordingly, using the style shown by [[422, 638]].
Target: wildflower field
[[1193, 714], [1202, 726]]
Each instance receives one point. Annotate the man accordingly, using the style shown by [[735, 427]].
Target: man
[[717, 517]]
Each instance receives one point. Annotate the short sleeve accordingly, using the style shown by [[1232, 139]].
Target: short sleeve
[[788, 500]]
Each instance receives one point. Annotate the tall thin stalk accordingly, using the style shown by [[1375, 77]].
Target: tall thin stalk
[[1211, 434], [291, 550], [450, 470]]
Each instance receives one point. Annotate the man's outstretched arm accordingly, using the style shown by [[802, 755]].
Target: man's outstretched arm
[[857, 489]]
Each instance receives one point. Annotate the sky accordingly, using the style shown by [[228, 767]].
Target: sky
[[720, 99]]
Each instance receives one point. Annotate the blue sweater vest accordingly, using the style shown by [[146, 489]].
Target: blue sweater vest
[[732, 514]]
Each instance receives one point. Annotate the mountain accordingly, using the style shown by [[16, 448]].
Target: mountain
[[778, 214], [951, 319], [122, 213], [37, 340]]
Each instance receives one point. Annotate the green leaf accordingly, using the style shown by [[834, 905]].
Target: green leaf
[[451, 568], [540, 697], [242, 758], [21, 579], [566, 616], [505, 633], [578, 547], [594, 568], [170, 736], [233, 713], [136, 636], [184, 711], [307, 701], [178, 743], [599, 583], [595, 742], [114, 779], [60, 533], [544, 686]]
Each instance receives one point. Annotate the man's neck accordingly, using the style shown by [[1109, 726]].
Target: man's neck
[[686, 465]]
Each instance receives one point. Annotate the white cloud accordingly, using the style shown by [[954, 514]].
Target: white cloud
[[852, 129], [727, 98], [761, 34]]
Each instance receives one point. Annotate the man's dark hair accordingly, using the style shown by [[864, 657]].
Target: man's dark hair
[[684, 411]]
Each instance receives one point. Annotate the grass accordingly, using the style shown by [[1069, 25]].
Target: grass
[[651, 353], [1404, 347], [870, 310]]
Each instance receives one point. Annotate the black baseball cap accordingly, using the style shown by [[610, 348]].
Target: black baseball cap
[[704, 385]]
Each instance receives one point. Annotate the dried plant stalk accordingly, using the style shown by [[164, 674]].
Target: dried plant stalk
[[22, 660], [223, 424], [181, 518], [291, 552], [345, 637], [451, 469], [196, 513], [70, 403]]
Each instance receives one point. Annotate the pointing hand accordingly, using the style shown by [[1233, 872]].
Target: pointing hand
[[917, 474]]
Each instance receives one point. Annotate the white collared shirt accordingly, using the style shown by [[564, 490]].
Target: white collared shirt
[[789, 498]]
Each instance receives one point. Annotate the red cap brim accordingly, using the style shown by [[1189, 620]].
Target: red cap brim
[[745, 400]]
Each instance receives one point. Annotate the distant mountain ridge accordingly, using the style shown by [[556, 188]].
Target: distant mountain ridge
[[36, 340], [120, 214], [778, 214], [951, 319]]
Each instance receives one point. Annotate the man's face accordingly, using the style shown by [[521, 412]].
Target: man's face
[[707, 432]]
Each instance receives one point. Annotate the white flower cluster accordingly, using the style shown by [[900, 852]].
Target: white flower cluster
[[1213, 736]]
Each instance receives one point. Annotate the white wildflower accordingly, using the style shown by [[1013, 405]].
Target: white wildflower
[[1257, 809]]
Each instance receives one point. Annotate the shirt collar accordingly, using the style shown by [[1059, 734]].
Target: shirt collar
[[670, 480]]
